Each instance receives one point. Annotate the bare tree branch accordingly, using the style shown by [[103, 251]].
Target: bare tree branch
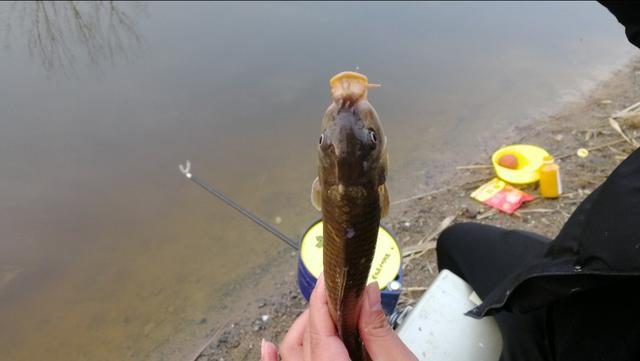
[[60, 34]]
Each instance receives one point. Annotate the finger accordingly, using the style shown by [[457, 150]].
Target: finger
[[322, 342], [381, 342], [306, 348], [324, 348], [291, 346], [320, 321], [268, 351]]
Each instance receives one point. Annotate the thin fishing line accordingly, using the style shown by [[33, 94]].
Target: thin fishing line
[[273, 230]]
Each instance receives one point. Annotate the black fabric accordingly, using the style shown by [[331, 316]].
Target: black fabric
[[486, 255], [599, 243], [601, 323], [483, 256], [628, 14]]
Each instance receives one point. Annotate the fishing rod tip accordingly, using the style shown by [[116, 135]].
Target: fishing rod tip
[[184, 169]]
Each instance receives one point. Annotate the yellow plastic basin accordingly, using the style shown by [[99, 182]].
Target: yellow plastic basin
[[529, 162]]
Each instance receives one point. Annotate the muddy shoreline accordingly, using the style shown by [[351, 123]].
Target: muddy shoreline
[[269, 301]]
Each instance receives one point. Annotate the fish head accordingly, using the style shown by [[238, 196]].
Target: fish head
[[352, 145]]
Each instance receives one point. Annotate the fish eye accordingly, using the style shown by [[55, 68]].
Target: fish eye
[[321, 139], [373, 136]]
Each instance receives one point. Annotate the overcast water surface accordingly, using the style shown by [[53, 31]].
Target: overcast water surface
[[108, 253]]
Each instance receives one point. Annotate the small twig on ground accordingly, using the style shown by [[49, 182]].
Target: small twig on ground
[[406, 301], [414, 289], [486, 214], [215, 336], [571, 201], [425, 244], [537, 210], [444, 224], [477, 182], [421, 195], [464, 186], [618, 151], [630, 112], [517, 214], [430, 268], [412, 293], [474, 166], [631, 109], [597, 147], [416, 251], [616, 126]]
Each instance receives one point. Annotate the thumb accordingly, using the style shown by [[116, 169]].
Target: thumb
[[377, 335]]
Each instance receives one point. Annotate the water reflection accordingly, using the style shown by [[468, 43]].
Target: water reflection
[[63, 34]]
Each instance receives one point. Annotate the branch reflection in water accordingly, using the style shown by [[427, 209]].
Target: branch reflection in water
[[63, 34]]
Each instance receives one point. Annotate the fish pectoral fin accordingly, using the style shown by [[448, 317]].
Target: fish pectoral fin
[[316, 194], [383, 193], [384, 165]]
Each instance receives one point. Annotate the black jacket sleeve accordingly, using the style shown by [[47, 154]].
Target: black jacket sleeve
[[628, 14]]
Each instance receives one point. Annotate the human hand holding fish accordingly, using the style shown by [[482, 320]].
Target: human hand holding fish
[[314, 337]]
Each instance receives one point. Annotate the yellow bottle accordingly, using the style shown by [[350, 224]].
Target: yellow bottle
[[550, 182]]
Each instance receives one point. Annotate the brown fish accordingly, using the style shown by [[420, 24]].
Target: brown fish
[[351, 192]]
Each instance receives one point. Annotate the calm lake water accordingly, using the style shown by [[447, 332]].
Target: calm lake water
[[108, 253]]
